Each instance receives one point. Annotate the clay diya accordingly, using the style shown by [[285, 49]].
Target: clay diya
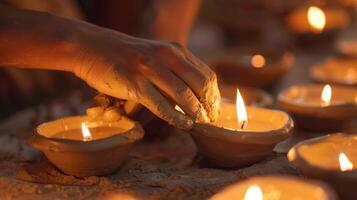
[[314, 19], [347, 42], [336, 70], [252, 96], [332, 158], [277, 187], [99, 148], [259, 68], [243, 137], [319, 107]]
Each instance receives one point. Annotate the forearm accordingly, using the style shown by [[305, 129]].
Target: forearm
[[30, 39], [171, 19]]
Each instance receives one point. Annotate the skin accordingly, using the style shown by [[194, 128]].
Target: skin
[[153, 73]]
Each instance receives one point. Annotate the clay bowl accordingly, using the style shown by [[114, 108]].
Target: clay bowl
[[279, 187], [336, 70], [101, 156], [225, 146], [252, 96], [341, 114], [318, 158], [234, 68], [297, 23]]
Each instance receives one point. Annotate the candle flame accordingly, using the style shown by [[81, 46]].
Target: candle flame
[[345, 163], [241, 111], [253, 193], [316, 18], [326, 94], [87, 136], [258, 61]]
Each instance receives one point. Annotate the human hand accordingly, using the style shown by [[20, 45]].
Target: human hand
[[156, 74]]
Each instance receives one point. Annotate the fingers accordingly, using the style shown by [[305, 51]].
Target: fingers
[[174, 87], [197, 76], [151, 98]]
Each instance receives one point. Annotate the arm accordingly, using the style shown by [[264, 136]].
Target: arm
[[150, 72]]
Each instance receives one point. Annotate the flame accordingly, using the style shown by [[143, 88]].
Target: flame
[[241, 111], [87, 136], [316, 18], [326, 94], [253, 193], [345, 163], [258, 61]]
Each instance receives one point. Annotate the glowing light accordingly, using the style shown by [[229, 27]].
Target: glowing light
[[253, 193], [258, 61], [241, 111], [178, 108], [87, 136], [345, 163], [326, 95], [316, 18]]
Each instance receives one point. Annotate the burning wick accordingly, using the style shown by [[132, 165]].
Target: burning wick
[[258, 61], [241, 111], [316, 18], [345, 163], [87, 136], [253, 193], [326, 95]]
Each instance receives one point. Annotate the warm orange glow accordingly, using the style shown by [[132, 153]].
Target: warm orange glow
[[326, 95], [253, 193], [345, 163], [87, 136], [258, 61], [241, 111], [316, 18]]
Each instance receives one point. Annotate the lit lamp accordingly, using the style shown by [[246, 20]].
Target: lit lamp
[[276, 187], [321, 107], [314, 19], [86, 146], [331, 158], [258, 68], [241, 135]]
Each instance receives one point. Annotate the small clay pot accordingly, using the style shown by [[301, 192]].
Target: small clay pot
[[336, 70], [333, 117], [252, 96], [226, 146], [100, 156], [234, 67], [344, 182]]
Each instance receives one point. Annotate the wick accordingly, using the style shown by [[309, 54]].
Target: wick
[[243, 125]]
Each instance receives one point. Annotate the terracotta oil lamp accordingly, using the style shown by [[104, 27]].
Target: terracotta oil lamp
[[332, 158], [336, 70], [347, 41], [260, 69], [241, 135], [315, 19], [321, 107], [86, 146], [252, 96], [276, 187]]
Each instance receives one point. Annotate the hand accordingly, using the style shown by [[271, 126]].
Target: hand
[[156, 74]]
